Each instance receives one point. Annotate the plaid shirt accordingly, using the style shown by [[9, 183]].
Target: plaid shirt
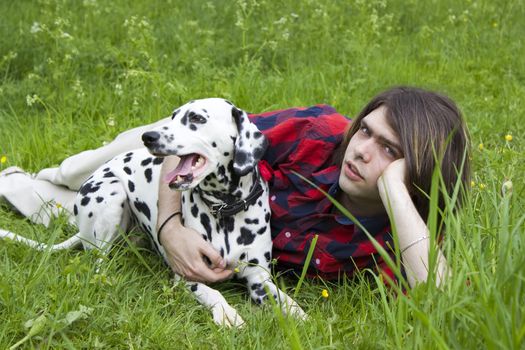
[[304, 140]]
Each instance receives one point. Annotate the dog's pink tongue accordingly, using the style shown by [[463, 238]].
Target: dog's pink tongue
[[182, 169]]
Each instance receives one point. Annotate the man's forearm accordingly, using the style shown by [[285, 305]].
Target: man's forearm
[[412, 233], [169, 201]]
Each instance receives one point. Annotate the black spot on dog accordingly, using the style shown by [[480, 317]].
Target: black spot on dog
[[90, 214], [205, 222], [194, 210], [109, 174], [158, 160], [184, 119], [267, 217], [247, 134], [85, 201], [113, 193], [175, 114], [127, 170], [146, 161], [226, 154], [246, 237], [257, 134], [262, 230], [193, 127], [213, 144], [147, 174], [253, 261], [142, 208], [128, 157], [114, 181], [194, 287], [268, 256], [241, 157], [106, 169], [222, 252], [75, 209], [131, 186], [243, 256], [88, 188], [250, 221], [99, 199]]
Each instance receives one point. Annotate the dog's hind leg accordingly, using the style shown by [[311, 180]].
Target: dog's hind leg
[[102, 215], [223, 313]]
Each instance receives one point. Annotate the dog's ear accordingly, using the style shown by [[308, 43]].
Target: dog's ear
[[250, 143]]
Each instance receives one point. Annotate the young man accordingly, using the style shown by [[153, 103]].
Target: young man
[[384, 159]]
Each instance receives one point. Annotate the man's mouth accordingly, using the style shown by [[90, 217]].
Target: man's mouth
[[190, 167], [352, 172]]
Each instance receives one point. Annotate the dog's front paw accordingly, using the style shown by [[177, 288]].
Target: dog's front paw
[[225, 315]]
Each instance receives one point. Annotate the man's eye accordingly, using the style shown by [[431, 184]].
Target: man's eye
[[390, 151], [364, 130]]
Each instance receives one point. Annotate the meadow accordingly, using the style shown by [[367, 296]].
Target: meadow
[[73, 74]]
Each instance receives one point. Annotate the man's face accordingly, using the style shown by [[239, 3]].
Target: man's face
[[370, 150]]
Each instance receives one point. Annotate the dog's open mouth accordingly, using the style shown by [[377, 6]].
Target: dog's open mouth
[[190, 166]]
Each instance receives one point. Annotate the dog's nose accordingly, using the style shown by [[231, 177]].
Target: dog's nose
[[150, 137]]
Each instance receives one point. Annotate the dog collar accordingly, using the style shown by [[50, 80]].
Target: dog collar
[[229, 209]]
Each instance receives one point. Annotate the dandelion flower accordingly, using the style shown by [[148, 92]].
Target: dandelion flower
[[472, 184], [236, 270], [508, 137], [58, 205], [3, 159], [482, 186], [324, 293], [480, 146]]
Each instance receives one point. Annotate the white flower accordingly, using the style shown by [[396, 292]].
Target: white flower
[[35, 28], [111, 121], [30, 100]]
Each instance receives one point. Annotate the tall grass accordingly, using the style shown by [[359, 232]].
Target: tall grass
[[73, 74]]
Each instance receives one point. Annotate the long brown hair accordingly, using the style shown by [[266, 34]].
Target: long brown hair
[[431, 129]]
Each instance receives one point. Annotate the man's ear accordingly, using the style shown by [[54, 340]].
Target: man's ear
[[250, 143]]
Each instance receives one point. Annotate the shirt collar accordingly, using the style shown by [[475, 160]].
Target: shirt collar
[[372, 224]]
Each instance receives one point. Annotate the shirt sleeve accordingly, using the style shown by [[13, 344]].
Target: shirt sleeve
[[300, 139]]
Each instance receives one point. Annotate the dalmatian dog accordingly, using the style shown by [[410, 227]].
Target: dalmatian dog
[[223, 197]]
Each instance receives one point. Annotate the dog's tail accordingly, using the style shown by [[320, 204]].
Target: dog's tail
[[69, 243]]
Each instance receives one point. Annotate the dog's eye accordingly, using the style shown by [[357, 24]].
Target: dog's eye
[[196, 118]]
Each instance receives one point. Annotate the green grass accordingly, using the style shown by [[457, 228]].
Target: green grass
[[73, 74]]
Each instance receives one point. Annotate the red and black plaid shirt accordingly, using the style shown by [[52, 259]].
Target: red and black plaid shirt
[[304, 140]]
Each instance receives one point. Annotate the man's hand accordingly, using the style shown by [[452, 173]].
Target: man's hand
[[185, 251], [394, 173]]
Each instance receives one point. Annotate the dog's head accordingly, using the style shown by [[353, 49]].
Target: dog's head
[[206, 134]]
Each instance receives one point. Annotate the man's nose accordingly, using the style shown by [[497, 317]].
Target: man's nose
[[364, 149]]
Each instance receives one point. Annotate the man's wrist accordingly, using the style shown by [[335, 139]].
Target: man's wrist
[[171, 223]]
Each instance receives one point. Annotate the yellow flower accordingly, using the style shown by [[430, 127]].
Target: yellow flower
[[324, 293], [508, 137], [236, 270], [472, 184], [58, 205], [3, 160], [480, 146], [495, 24], [482, 186]]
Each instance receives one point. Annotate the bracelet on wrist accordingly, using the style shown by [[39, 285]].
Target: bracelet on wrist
[[165, 222], [420, 239]]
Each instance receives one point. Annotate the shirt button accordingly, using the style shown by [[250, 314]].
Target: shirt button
[[317, 261], [288, 234], [272, 198]]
